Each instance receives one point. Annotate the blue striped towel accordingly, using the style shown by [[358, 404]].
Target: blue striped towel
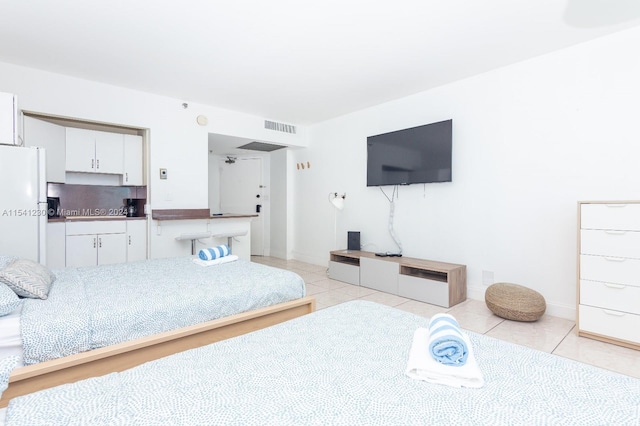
[[446, 343], [216, 252]]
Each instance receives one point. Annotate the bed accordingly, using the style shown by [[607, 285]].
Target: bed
[[343, 365], [108, 318]]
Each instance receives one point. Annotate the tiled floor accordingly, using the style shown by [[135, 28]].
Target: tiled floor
[[549, 334]]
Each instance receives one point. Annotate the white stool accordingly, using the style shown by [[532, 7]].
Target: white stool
[[230, 236], [193, 237]]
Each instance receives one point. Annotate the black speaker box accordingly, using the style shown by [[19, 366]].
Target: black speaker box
[[353, 240]]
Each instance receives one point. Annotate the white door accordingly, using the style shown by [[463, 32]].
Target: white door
[[241, 192]]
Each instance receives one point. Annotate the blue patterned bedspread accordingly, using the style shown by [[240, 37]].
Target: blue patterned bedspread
[[343, 365], [93, 307]]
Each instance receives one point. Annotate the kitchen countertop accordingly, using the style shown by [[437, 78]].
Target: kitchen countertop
[[187, 214], [93, 218]]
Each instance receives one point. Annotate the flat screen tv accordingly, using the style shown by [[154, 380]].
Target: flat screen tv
[[417, 155]]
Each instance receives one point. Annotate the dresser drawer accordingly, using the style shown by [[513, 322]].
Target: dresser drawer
[[610, 243], [623, 217], [616, 270], [617, 297], [618, 325]]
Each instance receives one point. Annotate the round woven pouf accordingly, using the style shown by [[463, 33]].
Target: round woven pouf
[[515, 302]]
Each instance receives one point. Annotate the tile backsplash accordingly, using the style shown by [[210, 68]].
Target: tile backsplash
[[79, 199]]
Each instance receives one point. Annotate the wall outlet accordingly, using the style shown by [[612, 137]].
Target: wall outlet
[[487, 278]]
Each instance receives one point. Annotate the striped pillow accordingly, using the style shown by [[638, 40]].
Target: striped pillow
[[27, 278], [9, 301]]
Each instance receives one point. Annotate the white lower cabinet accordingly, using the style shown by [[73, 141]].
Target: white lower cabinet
[[608, 270], [344, 272], [379, 275], [56, 245], [96, 243], [136, 240], [438, 283]]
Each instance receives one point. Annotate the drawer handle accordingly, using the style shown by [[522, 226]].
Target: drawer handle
[[615, 259], [616, 205], [615, 232], [613, 313], [616, 286]]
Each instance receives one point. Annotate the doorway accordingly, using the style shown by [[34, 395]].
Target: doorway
[[241, 191]]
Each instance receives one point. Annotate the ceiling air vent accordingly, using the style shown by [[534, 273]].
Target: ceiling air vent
[[261, 146], [279, 127]]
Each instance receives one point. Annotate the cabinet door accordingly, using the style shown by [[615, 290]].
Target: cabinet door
[[112, 248], [80, 155], [379, 275], [52, 138], [133, 161], [136, 240], [81, 250], [109, 152], [56, 245]]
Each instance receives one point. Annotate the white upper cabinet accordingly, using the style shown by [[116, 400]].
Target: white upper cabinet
[[109, 152], [51, 137], [93, 151], [133, 161]]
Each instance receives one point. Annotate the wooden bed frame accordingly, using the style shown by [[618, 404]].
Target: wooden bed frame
[[125, 355]]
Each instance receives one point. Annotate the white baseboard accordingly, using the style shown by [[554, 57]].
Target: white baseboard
[[310, 259], [554, 309]]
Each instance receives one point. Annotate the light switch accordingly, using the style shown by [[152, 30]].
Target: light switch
[[163, 173]]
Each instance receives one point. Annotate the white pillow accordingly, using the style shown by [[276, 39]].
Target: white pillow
[[4, 260], [9, 301], [27, 278]]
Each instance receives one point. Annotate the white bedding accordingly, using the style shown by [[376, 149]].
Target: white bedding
[[10, 338], [343, 365]]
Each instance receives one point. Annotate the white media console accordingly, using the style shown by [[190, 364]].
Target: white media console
[[438, 283]]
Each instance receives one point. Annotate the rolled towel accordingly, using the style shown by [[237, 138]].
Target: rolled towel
[[218, 261], [216, 252], [422, 366], [446, 342]]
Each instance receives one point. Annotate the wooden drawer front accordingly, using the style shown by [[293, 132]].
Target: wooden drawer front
[[97, 227], [617, 325], [610, 243], [424, 290], [610, 269], [379, 275], [624, 217], [345, 273], [617, 297]]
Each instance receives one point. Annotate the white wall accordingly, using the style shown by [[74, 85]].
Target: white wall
[[530, 140], [177, 142]]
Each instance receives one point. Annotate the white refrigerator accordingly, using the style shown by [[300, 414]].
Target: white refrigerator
[[23, 202]]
